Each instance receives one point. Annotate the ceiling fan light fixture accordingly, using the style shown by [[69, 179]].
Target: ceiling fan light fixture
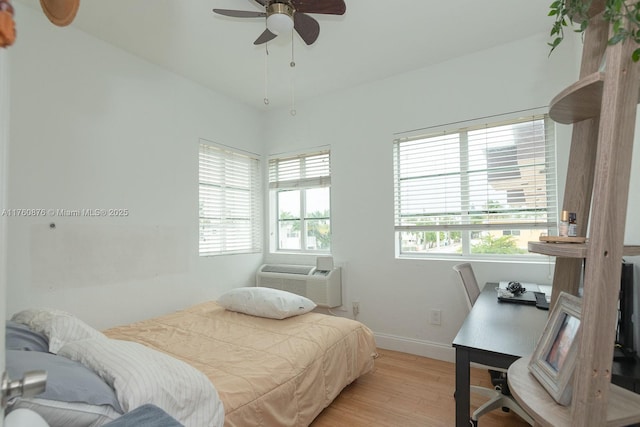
[[279, 18]]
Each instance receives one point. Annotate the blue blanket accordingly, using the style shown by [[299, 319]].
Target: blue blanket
[[145, 416]]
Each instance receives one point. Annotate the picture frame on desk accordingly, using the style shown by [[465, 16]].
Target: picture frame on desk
[[554, 359]]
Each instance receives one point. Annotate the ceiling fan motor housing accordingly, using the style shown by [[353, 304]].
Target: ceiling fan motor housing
[[279, 17], [280, 7]]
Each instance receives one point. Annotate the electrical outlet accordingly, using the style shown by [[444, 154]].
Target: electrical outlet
[[435, 317], [355, 305]]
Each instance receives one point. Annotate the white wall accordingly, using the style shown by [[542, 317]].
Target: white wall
[[4, 133], [94, 127], [395, 296]]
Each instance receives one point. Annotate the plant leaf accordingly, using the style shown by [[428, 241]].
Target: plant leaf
[[617, 38]]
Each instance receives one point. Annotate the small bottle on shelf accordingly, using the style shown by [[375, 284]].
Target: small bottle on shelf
[[573, 232], [563, 227]]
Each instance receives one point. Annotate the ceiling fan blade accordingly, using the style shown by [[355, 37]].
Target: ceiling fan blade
[[265, 37], [240, 13], [307, 27], [327, 7], [262, 2]]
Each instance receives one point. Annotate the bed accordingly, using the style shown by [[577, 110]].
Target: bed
[[264, 371]]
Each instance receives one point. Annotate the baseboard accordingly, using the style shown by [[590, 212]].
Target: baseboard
[[423, 348]]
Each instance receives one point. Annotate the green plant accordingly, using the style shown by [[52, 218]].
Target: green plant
[[616, 12], [497, 245]]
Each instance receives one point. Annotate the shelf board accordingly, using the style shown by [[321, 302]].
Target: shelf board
[[563, 250], [573, 250], [563, 239], [580, 101], [623, 409]]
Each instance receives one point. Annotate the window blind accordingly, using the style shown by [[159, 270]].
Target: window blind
[[230, 201], [498, 176], [302, 171]]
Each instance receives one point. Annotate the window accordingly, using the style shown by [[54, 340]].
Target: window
[[300, 193], [230, 201], [478, 191]]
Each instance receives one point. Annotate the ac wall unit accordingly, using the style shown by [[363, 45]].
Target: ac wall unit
[[324, 287]]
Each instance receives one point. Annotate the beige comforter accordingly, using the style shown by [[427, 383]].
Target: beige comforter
[[267, 372]]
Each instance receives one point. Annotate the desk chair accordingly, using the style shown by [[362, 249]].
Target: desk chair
[[499, 396]]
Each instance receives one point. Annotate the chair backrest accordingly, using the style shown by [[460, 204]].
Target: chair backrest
[[468, 278]]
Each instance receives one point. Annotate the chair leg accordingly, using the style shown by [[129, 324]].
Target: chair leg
[[494, 403], [501, 401]]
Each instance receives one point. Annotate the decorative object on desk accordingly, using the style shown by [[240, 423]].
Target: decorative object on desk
[[517, 292], [554, 358], [516, 288], [503, 293], [560, 239]]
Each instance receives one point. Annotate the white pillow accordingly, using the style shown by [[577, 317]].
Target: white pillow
[[141, 375], [65, 414], [266, 302], [57, 325]]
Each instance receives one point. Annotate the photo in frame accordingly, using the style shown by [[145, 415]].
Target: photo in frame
[[554, 359]]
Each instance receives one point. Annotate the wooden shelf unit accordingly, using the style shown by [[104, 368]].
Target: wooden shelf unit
[[573, 250], [602, 107], [622, 411]]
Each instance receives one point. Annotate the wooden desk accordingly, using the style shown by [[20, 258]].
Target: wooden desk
[[494, 334]]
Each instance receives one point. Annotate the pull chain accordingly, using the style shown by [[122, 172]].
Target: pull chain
[[266, 74], [292, 64]]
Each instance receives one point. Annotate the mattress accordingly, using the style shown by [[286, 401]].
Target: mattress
[[267, 372]]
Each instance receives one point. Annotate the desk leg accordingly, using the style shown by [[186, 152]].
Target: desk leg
[[463, 382]]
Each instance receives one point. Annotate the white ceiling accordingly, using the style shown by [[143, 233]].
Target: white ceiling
[[372, 41]]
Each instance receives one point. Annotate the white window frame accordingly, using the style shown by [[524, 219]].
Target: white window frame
[[312, 175], [229, 200], [458, 219]]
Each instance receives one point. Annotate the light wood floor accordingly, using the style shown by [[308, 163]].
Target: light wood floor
[[406, 390]]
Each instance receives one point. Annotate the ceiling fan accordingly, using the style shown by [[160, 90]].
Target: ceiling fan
[[284, 15]]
